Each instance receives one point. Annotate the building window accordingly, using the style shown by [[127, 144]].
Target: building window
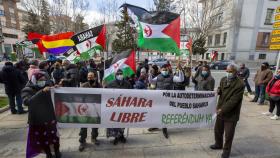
[[217, 39], [269, 16], [217, 19], [10, 35], [207, 56], [8, 48], [209, 41], [262, 56], [225, 39], [265, 39], [3, 23]]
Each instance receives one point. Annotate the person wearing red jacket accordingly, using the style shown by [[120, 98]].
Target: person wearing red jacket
[[273, 90]]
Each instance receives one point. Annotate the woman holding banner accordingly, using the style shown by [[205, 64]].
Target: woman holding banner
[[42, 133]]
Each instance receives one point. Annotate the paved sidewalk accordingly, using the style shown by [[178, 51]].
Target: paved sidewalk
[[256, 137]]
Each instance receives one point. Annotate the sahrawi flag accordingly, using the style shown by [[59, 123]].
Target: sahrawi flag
[[89, 41], [156, 30], [124, 61], [70, 110]]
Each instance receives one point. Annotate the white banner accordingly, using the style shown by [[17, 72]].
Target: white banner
[[114, 108]]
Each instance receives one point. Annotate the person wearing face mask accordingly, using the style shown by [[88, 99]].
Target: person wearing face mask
[[205, 81], [231, 91], [118, 83], [164, 81], [262, 77], [42, 132], [273, 90], [92, 82], [244, 73]]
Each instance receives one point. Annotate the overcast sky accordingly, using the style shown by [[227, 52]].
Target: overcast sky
[[94, 14]]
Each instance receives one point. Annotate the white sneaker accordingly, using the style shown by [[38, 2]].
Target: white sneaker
[[267, 113], [275, 117]]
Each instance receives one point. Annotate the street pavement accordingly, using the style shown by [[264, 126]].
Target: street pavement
[[256, 137]]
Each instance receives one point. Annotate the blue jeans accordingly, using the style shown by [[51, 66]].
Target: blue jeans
[[260, 93], [18, 99], [247, 85]]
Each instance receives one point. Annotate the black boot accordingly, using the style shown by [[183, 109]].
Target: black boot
[[82, 147], [58, 155], [122, 139], [165, 133], [49, 155], [95, 141], [116, 141], [57, 152]]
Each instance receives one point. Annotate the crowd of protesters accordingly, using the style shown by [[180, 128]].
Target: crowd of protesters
[[29, 83]]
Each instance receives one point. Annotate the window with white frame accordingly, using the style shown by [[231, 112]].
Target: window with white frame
[[269, 16]]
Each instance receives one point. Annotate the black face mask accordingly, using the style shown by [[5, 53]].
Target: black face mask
[[91, 81]]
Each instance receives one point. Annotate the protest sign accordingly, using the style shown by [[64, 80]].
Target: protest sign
[[111, 108]]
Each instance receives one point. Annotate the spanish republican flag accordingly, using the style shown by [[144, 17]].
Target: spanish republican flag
[[58, 43]]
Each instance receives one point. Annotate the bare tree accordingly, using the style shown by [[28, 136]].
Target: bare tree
[[109, 10], [66, 15], [205, 15], [33, 6]]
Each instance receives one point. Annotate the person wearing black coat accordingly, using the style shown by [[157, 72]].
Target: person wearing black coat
[[20, 66], [13, 81], [118, 83], [71, 76], [83, 72], [42, 132]]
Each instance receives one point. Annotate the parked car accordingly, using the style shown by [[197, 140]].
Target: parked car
[[159, 62], [220, 64]]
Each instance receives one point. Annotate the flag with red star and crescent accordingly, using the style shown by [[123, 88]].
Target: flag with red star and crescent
[[124, 61], [89, 41], [156, 30]]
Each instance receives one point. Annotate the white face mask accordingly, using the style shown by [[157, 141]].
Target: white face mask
[[119, 77], [41, 83], [153, 86], [230, 75]]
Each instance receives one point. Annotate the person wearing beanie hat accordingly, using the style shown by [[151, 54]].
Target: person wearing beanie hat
[[262, 77], [42, 132]]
